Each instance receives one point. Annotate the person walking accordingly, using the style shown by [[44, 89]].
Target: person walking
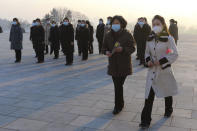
[[161, 53], [77, 37], [38, 39], [173, 29], [84, 39], [141, 32], [67, 40], [54, 39], [32, 33], [16, 39], [100, 34], [118, 45], [91, 39]]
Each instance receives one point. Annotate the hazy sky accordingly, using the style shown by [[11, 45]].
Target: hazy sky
[[184, 11]]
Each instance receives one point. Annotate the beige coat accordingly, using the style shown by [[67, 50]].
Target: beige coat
[[47, 34], [161, 78]]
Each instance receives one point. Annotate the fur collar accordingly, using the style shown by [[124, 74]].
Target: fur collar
[[163, 36]]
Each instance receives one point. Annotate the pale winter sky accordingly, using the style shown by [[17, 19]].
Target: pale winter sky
[[184, 11]]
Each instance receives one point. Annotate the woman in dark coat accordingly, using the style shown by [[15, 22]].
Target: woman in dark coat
[[141, 32], [100, 34], [67, 40], [84, 38], [16, 38], [173, 29], [91, 31], [38, 38], [118, 45], [32, 33], [54, 39]]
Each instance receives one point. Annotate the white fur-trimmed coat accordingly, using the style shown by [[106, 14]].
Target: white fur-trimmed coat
[[161, 78]]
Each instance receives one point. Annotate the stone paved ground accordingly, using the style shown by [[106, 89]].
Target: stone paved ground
[[52, 97]]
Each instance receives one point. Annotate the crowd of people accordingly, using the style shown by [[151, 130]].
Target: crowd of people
[[156, 49], [49, 34]]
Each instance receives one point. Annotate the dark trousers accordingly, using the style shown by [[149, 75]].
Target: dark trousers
[[46, 49], [90, 47], [40, 52], [69, 58], [118, 87], [142, 49], [18, 55], [147, 110], [55, 48], [79, 47], [56, 53], [85, 51], [138, 50], [100, 47]]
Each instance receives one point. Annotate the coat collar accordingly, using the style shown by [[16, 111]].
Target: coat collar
[[163, 37]]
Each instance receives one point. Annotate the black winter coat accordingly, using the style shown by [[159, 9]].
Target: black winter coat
[[38, 34], [173, 29], [16, 37], [141, 34], [91, 31], [54, 35], [100, 32], [77, 32], [66, 33], [120, 63], [84, 35], [67, 37], [31, 32]]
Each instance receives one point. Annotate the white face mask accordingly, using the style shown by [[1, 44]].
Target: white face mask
[[157, 29]]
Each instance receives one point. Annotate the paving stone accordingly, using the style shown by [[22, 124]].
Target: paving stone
[[91, 122], [26, 125], [184, 122]]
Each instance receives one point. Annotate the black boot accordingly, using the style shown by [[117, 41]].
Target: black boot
[[144, 126], [116, 111], [168, 112]]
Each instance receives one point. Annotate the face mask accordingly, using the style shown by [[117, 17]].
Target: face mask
[[100, 22], [14, 23], [37, 23], [65, 23], [157, 29], [82, 25], [141, 23], [115, 27], [53, 25], [108, 22], [33, 24]]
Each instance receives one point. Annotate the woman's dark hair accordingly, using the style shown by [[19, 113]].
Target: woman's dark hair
[[145, 19], [109, 18], [88, 22], [101, 19], [163, 22], [66, 19], [17, 21], [123, 22]]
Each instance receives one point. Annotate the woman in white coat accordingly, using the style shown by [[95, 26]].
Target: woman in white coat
[[160, 53]]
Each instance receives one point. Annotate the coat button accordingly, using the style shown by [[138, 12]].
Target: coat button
[[153, 72], [152, 79]]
